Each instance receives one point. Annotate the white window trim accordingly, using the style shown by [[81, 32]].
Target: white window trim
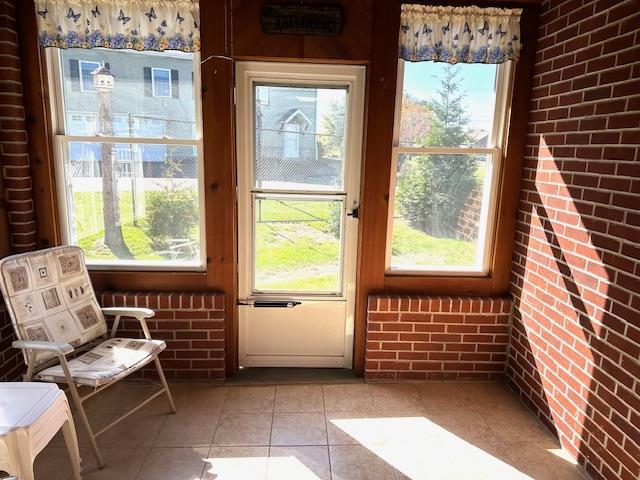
[[153, 81], [250, 74], [486, 234], [80, 62], [58, 121]]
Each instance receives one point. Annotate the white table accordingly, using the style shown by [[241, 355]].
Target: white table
[[30, 416]]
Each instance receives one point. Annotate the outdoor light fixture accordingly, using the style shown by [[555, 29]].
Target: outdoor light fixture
[[103, 78]]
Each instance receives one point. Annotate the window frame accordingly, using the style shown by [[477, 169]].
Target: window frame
[[487, 233], [82, 89], [153, 81], [60, 139]]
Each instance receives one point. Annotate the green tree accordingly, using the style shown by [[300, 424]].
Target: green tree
[[331, 137], [433, 188]]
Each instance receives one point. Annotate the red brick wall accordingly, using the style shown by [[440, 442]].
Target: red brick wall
[[11, 363], [17, 224], [469, 216], [192, 325], [575, 343], [14, 157], [427, 338]]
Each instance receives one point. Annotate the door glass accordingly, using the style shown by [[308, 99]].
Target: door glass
[[297, 244], [299, 137]]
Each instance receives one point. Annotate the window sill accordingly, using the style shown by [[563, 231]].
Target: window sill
[[391, 272], [165, 266]]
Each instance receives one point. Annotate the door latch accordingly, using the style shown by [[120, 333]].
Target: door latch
[[355, 213], [276, 303]]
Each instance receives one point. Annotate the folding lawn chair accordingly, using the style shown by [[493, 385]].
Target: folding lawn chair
[[55, 313]]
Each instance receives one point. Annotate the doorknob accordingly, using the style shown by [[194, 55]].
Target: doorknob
[[355, 213]]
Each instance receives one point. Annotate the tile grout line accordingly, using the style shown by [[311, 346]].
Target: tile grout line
[[273, 410], [146, 456], [326, 426], [213, 436]]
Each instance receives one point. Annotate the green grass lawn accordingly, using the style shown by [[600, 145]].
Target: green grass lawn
[[89, 226], [413, 247], [296, 249], [138, 242], [88, 212]]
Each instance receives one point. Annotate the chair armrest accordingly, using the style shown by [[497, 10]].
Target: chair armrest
[[139, 314], [129, 312], [59, 348]]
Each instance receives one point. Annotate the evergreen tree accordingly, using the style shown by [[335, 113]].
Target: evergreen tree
[[433, 188]]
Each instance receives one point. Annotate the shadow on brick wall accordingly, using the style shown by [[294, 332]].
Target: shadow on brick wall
[[575, 366]]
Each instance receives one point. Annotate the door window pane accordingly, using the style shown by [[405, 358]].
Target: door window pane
[[439, 213], [438, 97], [299, 137], [156, 197], [137, 98], [297, 244]]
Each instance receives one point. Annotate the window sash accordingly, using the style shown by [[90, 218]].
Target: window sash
[[486, 234], [60, 139]]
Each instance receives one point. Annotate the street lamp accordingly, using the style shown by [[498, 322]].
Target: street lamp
[[103, 82]]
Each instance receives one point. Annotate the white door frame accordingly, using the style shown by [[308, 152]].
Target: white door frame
[[353, 77]]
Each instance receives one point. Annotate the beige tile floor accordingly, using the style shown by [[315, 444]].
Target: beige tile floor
[[340, 432]]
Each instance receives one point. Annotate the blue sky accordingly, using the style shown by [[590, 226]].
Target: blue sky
[[477, 81]]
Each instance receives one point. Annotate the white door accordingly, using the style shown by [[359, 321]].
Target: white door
[[299, 143]]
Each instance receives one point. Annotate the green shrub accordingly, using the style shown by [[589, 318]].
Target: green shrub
[[171, 213], [332, 226]]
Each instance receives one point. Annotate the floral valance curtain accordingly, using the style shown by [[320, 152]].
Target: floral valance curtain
[[459, 34], [140, 25]]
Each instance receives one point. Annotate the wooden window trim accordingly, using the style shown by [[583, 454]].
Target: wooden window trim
[[219, 167], [376, 181], [218, 138]]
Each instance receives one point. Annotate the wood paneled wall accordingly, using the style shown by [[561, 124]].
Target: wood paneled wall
[[231, 30], [350, 46]]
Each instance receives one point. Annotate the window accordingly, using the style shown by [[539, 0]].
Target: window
[[291, 139], [130, 169], [86, 79], [161, 80], [447, 150]]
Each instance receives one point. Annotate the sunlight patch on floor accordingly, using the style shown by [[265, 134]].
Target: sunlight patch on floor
[[287, 467], [419, 448]]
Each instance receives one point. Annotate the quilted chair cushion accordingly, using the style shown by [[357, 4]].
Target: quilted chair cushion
[[49, 297], [111, 360]]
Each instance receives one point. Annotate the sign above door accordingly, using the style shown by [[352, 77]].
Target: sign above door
[[301, 19]]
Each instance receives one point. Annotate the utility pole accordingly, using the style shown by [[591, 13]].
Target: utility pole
[[103, 81]]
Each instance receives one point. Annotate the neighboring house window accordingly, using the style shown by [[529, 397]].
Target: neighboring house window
[[161, 79], [291, 139], [86, 79], [141, 206], [448, 145]]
